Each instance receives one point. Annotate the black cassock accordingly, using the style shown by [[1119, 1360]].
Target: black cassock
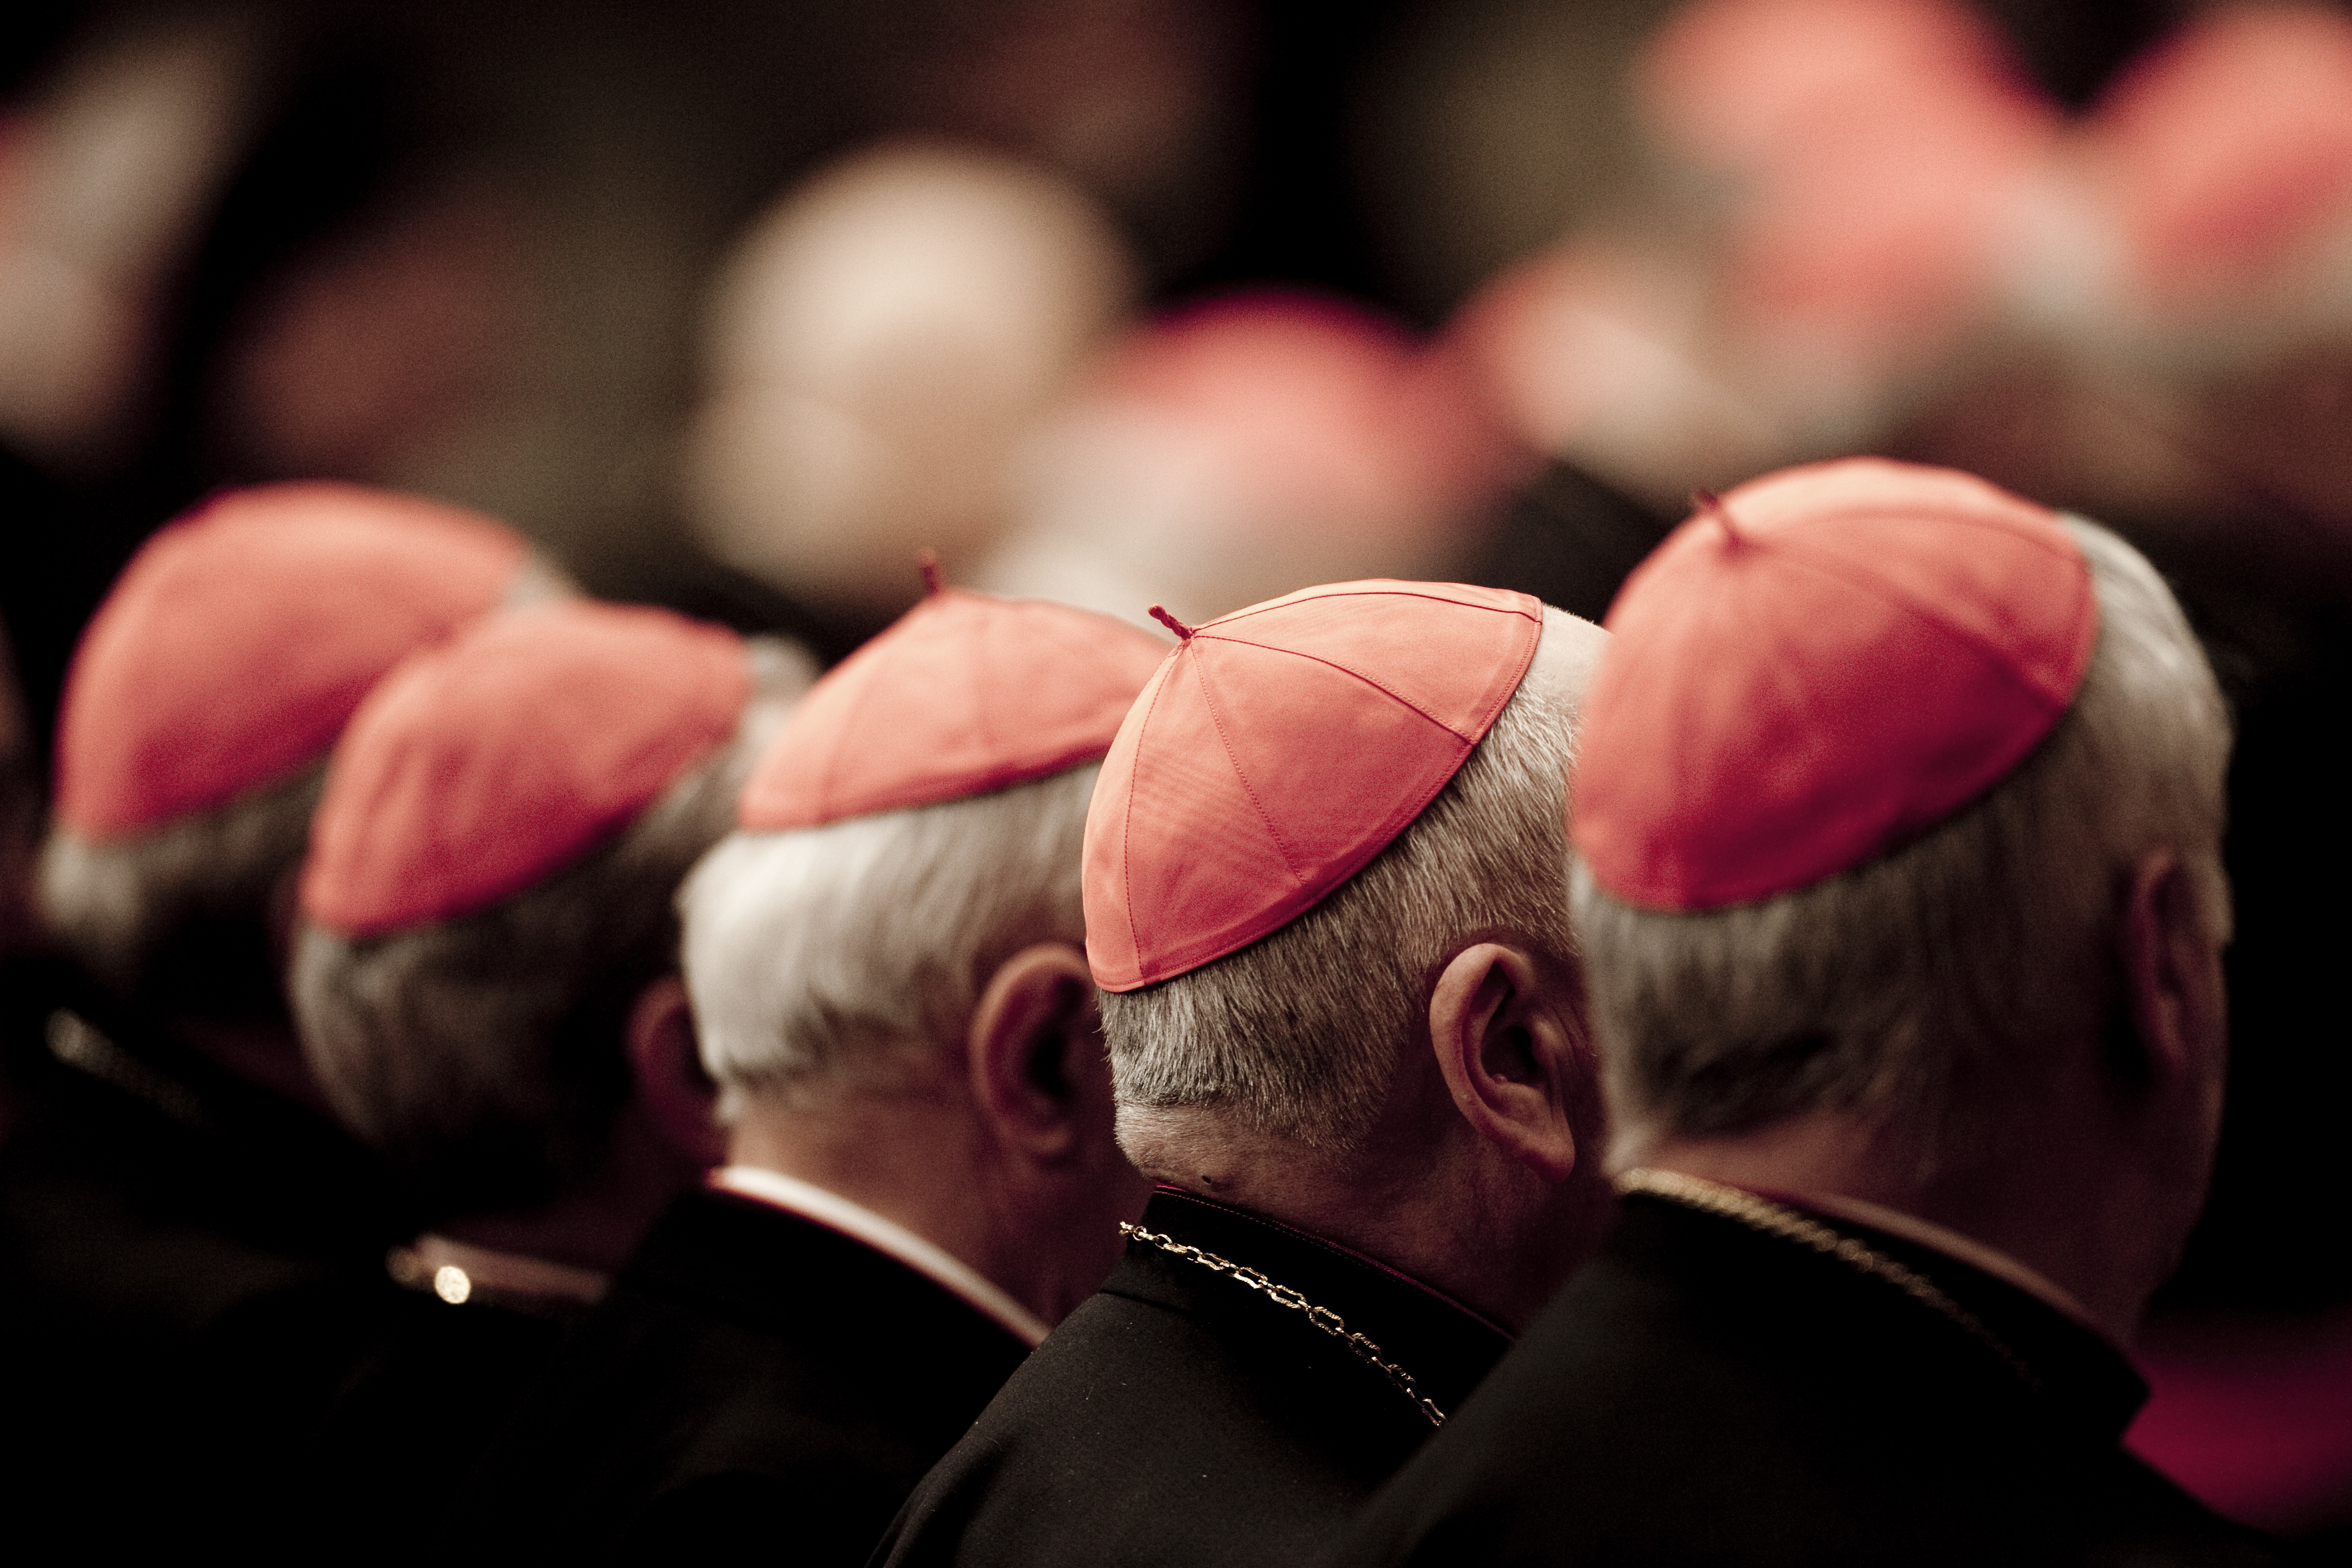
[[1180, 1416], [1707, 1393], [753, 1381], [187, 1266]]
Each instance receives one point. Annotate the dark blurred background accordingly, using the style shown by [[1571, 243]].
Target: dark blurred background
[[729, 305]]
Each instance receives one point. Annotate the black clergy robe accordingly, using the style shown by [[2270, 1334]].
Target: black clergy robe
[[754, 1382], [365, 1469], [1704, 1393], [185, 1261], [1180, 1416]]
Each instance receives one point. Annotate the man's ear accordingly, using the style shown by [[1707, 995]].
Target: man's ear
[[1513, 1065], [2172, 967], [1035, 1051], [665, 1066]]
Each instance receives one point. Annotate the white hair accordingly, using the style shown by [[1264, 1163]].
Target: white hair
[[484, 1054], [1300, 1033], [1919, 988], [825, 955]]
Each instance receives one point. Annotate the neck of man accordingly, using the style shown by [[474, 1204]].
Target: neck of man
[[266, 1054], [2055, 1203], [914, 1155], [1406, 1199], [595, 1223]]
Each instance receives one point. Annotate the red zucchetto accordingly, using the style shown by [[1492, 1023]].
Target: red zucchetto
[[1279, 748], [240, 639], [1826, 662], [963, 694], [480, 767]]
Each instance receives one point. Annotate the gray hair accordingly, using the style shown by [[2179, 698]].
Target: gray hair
[[181, 916], [1914, 989], [184, 916], [825, 956], [484, 1054], [1299, 1035]]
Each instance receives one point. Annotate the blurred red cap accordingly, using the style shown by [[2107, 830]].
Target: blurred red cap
[[2232, 144], [1337, 412], [963, 694], [1864, 647], [1880, 142], [1279, 748], [240, 639], [478, 768]]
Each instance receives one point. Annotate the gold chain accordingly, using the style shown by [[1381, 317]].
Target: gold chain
[[1323, 1318], [1775, 1219]]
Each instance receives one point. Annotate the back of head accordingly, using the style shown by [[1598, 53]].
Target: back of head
[[1267, 931], [1897, 914], [916, 825], [489, 888], [830, 960], [202, 704]]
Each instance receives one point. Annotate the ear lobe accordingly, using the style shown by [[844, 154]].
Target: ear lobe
[[666, 1066], [1030, 1047], [1508, 1060]]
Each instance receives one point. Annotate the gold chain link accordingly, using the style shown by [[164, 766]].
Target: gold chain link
[[1774, 1219], [1323, 1318]]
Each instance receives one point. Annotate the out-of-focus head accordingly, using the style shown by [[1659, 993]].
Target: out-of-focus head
[[1878, 773], [1325, 812], [2224, 160], [897, 913], [1802, 125], [879, 348], [1249, 447], [487, 900], [201, 705]]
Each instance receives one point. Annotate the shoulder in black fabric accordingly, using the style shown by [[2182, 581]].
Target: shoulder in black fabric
[[1183, 1417], [748, 1363], [1706, 1393]]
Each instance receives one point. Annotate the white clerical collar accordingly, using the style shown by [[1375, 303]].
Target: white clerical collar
[[1951, 1244], [857, 1221]]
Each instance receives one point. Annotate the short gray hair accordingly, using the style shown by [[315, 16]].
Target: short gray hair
[[1912, 989], [484, 1054], [823, 956], [179, 916], [1300, 1033]]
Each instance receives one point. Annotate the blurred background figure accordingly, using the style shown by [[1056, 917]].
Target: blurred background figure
[[1252, 445], [486, 978], [171, 1174], [511, 255], [880, 347]]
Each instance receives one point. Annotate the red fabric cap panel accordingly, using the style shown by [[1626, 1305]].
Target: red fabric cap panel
[[1879, 644], [963, 694], [480, 767], [240, 638], [1279, 748]]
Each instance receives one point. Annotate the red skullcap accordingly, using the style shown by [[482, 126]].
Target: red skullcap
[[238, 642], [1864, 647], [1276, 751], [480, 767], [963, 694]]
